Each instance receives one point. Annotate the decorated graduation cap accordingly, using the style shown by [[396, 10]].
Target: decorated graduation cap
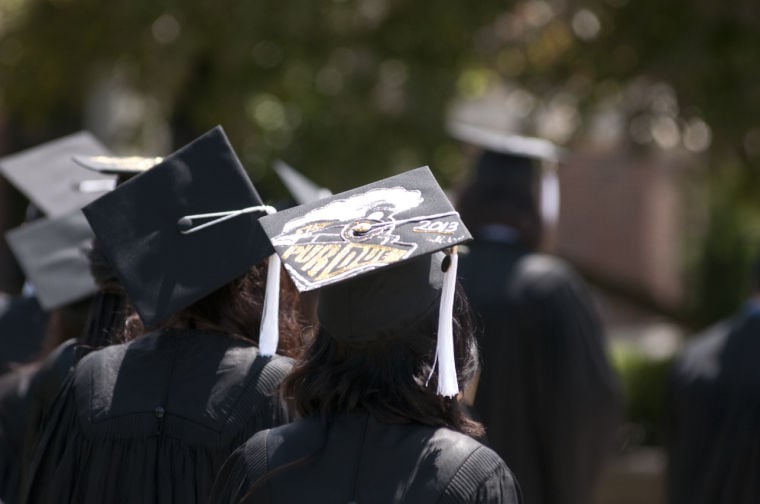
[[301, 188], [375, 254], [512, 160], [52, 182], [124, 167], [185, 228], [53, 254]]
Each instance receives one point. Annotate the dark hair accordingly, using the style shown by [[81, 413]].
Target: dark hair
[[236, 309], [502, 194], [388, 376], [109, 308]]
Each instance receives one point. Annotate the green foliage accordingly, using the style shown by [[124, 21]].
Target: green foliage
[[351, 90], [347, 91], [644, 382]]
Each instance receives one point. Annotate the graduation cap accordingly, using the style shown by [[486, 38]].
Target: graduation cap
[[124, 167], [374, 253], [512, 159], [301, 188], [53, 254], [52, 182], [185, 228]]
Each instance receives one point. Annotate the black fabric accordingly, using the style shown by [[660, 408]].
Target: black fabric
[[713, 412], [547, 394], [363, 308], [22, 329], [14, 405], [137, 226], [153, 420], [353, 458], [25, 394]]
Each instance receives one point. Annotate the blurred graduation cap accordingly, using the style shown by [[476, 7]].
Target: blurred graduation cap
[[374, 253], [301, 188], [46, 175], [53, 254], [183, 229], [514, 159], [124, 167]]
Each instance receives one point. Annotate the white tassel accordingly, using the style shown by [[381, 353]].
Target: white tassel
[[444, 353], [269, 332]]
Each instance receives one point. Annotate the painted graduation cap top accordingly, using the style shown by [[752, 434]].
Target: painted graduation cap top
[[374, 253], [301, 189], [370, 227], [147, 227], [51, 181], [53, 255]]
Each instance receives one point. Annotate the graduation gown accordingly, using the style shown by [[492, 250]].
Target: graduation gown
[[26, 395], [153, 420], [713, 416], [547, 394], [353, 458], [14, 406], [22, 329]]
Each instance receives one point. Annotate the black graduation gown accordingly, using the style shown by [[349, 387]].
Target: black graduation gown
[[713, 416], [14, 405], [354, 459], [26, 395], [22, 328], [547, 394], [153, 420]]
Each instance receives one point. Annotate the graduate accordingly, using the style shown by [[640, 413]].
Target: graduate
[[547, 394], [713, 412], [377, 390], [55, 188], [153, 419], [58, 291]]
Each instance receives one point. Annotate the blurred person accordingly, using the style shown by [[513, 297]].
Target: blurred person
[[55, 187], [57, 294], [713, 411], [377, 391], [547, 394], [154, 418]]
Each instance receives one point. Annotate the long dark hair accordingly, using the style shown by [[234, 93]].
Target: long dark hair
[[236, 309], [388, 376]]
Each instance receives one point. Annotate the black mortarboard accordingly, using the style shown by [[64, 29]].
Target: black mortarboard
[[182, 229], [52, 182], [301, 189], [53, 255], [508, 162], [372, 252]]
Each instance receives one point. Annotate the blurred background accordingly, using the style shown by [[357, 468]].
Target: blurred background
[[657, 102]]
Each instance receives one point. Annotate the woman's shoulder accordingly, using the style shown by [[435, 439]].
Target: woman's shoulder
[[474, 472]]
